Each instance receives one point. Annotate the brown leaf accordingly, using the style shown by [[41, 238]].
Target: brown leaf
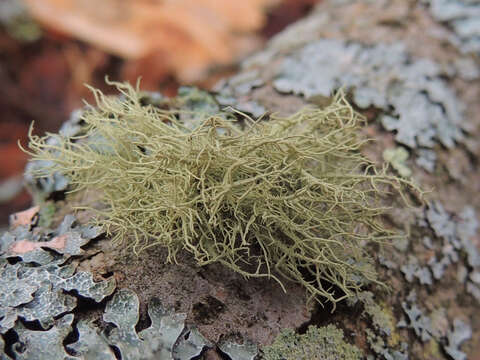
[[24, 246], [24, 218], [189, 34]]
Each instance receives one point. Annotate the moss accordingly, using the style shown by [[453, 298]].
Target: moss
[[288, 199], [324, 343]]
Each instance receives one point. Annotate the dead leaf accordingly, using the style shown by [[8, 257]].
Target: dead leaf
[[190, 35], [24, 218], [24, 246]]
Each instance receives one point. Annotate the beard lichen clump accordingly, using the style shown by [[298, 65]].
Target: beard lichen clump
[[288, 199]]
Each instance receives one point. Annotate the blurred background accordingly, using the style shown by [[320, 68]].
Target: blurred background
[[50, 48]]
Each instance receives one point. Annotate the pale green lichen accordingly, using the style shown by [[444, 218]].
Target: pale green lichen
[[324, 343], [382, 337], [397, 157], [292, 198]]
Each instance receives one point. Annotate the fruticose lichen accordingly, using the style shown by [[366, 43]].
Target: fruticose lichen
[[291, 198], [324, 343]]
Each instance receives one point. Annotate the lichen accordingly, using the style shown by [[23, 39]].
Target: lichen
[[460, 333], [236, 91], [35, 288], [274, 199], [414, 269], [235, 351], [190, 345], [47, 289], [457, 232], [426, 159], [382, 337], [155, 342], [397, 157], [417, 103], [166, 337], [196, 105], [418, 321], [462, 16], [42, 188], [381, 316], [324, 343], [43, 344], [90, 345]]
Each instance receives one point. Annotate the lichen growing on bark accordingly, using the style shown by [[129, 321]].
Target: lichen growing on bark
[[324, 343], [288, 199]]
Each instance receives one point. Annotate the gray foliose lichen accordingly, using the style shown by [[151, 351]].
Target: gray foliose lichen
[[40, 284], [463, 17], [416, 102]]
